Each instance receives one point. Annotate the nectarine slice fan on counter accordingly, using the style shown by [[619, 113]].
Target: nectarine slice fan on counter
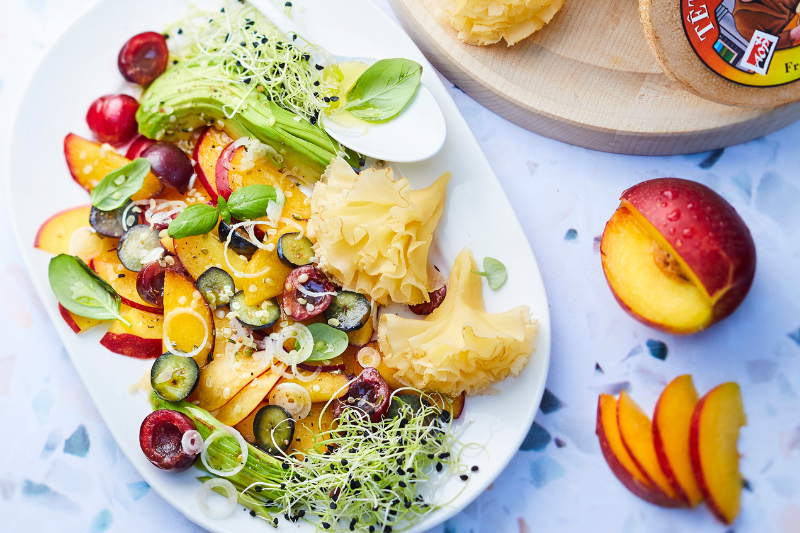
[[637, 437], [672, 422], [716, 422], [619, 460], [677, 256]]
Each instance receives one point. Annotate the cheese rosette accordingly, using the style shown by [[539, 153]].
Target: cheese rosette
[[459, 347], [483, 22], [373, 233]]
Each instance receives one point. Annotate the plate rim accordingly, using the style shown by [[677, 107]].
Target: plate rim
[[544, 352]]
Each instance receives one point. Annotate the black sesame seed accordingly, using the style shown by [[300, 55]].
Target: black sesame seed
[[319, 67], [438, 467], [406, 503], [282, 65], [353, 524], [294, 37], [247, 80], [288, 4], [326, 525], [376, 477], [444, 455], [401, 472], [464, 477], [362, 162], [259, 488], [387, 529], [371, 529], [252, 513], [399, 460], [355, 484], [333, 506], [444, 416], [306, 57], [180, 31], [242, 43], [410, 470], [285, 466], [401, 484], [264, 40], [286, 516], [344, 462], [222, 10], [166, 36], [430, 456], [174, 61], [327, 99], [352, 450], [313, 120], [474, 468], [334, 98], [283, 486], [120, 275]]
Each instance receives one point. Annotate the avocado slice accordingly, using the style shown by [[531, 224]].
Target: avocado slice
[[196, 102]]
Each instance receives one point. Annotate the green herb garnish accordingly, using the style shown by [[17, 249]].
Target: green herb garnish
[[384, 89], [115, 189], [328, 342], [196, 219], [494, 271], [81, 291], [247, 203]]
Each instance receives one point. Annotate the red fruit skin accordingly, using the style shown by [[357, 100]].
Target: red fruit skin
[[707, 233], [160, 439], [131, 345], [143, 58], [221, 170], [68, 319], [435, 300], [651, 495], [112, 119], [139, 145], [198, 168]]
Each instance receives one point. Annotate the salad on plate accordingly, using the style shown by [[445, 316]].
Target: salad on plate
[[309, 358]]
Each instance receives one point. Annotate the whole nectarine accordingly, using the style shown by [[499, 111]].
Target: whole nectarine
[[677, 256]]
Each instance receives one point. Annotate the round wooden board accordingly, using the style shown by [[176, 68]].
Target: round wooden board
[[588, 79]]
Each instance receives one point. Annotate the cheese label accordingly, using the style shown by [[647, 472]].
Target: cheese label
[[750, 42]]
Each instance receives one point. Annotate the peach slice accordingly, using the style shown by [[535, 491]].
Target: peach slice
[[89, 163], [245, 427], [77, 323], [198, 254], [677, 256], [248, 399], [186, 332], [714, 433], [206, 152], [108, 266], [616, 455], [672, 421], [309, 431], [270, 284], [55, 234], [142, 340], [637, 437], [325, 386]]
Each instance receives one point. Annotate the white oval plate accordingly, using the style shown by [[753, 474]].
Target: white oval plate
[[82, 66]]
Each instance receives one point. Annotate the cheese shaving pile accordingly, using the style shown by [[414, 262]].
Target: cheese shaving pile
[[459, 347], [373, 233], [485, 22]]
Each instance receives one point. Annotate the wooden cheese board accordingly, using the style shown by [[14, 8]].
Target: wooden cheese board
[[590, 79]]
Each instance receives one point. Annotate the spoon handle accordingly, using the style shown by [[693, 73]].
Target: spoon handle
[[275, 15]]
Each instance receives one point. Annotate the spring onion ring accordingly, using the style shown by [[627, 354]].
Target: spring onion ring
[[230, 492], [192, 442], [221, 431], [292, 397], [165, 336]]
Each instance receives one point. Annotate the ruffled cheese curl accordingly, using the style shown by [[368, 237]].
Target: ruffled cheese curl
[[373, 233], [483, 22], [459, 347]]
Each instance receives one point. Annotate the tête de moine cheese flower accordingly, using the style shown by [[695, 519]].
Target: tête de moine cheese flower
[[485, 22], [373, 233], [459, 347]]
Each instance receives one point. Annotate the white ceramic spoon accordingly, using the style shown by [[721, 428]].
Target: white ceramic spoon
[[417, 133]]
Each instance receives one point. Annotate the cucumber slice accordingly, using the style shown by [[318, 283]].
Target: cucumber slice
[[273, 428], [135, 247], [216, 286], [174, 377], [240, 242], [260, 317], [348, 311], [294, 250], [111, 223]]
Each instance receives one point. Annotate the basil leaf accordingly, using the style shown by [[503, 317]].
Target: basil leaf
[[197, 219], [251, 202], [81, 291], [119, 185], [384, 89], [494, 272], [224, 211], [328, 342]]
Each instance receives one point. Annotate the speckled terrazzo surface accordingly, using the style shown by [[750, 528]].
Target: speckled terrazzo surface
[[60, 470]]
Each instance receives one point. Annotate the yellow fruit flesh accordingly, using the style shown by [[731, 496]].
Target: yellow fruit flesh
[[631, 270], [608, 410], [637, 436], [185, 330]]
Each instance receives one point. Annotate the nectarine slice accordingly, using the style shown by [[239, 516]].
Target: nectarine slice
[[182, 303], [123, 281], [55, 234], [658, 295], [206, 152], [617, 456], [89, 163], [246, 400], [142, 340], [325, 386], [637, 437], [270, 284], [716, 421], [312, 429], [198, 254], [672, 421], [77, 323]]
